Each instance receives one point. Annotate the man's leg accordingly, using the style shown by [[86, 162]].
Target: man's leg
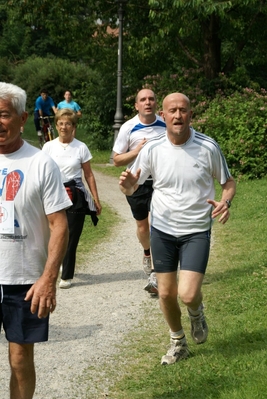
[[22, 381], [143, 233], [167, 286], [189, 290]]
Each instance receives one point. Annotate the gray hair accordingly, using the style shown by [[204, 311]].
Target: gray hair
[[15, 95]]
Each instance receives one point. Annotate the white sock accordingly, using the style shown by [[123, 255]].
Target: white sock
[[178, 334], [195, 312]]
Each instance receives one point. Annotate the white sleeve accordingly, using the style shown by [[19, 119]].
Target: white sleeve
[[143, 162], [121, 145]]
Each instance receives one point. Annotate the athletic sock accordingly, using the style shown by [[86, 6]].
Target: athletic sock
[[194, 312], [178, 335], [147, 252]]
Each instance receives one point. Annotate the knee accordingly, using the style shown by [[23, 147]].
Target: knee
[[190, 298], [21, 358], [168, 295], [143, 228]]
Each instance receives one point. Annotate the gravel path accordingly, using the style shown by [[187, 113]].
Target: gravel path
[[92, 317]]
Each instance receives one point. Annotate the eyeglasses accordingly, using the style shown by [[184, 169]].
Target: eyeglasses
[[62, 124]]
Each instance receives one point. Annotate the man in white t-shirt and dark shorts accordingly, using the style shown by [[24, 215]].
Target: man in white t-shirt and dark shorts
[[33, 240], [132, 136], [183, 165]]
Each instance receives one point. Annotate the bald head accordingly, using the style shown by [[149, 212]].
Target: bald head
[[177, 114], [175, 97]]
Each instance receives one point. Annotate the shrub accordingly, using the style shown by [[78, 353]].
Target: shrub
[[239, 124], [54, 74]]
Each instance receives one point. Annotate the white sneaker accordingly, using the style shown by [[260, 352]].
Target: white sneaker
[[147, 264], [65, 283], [178, 350]]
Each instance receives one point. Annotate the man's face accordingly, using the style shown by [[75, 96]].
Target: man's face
[[44, 96], [67, 96], [10, 124], [146, 103], [177, 115]]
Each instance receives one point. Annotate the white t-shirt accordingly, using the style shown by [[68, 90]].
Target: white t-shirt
[[183, 180], [69, 158], [133, 131], [32, 179]]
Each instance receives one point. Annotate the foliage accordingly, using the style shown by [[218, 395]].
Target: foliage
[[214, 35], [54, 74], [238, 124]]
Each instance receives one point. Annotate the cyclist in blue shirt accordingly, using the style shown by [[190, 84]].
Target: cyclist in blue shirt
[[43, 106]]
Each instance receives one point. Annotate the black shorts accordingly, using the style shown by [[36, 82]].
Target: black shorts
[[192, 251], [140, 201], [20, 325]]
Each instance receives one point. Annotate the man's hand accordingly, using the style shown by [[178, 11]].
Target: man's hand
[[128, 181], [220, 208], [43, 297]]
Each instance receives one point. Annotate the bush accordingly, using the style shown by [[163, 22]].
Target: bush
[[239, 124], [89, 88], [54, 74]]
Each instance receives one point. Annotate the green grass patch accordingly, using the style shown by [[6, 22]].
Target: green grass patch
[[94, 235], [232, 363]]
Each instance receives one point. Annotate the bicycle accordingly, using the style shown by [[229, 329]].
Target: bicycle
[[47, 130]]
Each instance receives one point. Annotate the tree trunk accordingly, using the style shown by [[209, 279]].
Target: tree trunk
[[212, 46]]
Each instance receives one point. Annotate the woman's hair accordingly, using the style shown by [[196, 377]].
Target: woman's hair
[[66, 113], [15, 95]]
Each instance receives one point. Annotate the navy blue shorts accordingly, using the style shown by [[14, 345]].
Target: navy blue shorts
[[140, 201], [19, 324], [192, 251]]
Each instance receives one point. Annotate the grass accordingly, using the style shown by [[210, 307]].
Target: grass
[[232, 364]]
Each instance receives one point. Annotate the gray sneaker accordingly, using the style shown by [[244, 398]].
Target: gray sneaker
[[178, 351], [152, 284], [147, 264], [199, 327]]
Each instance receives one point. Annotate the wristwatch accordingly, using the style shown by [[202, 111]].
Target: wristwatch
[[228, 202]]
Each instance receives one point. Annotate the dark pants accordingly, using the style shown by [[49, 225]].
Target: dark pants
[[75, 223]]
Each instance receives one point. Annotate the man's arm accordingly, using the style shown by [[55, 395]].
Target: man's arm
[[128, 157], [221, 207], [54, 109], [128, 181], [43, 293]]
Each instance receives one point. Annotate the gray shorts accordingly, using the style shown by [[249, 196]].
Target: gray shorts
[[20, 325], [192, 251]]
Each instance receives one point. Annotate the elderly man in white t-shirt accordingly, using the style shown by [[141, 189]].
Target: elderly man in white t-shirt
[[33, 240]]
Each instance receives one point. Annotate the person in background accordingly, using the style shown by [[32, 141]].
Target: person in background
[[132, 136], [43, 106], [73, 159], [69, 103], [33, 240], [183, 165]]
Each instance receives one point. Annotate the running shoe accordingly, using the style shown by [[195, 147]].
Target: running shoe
[[177, 351], [147, 264], [65, 284], [199, 327], [152, 284]]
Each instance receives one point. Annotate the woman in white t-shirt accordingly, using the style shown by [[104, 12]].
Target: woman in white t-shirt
[[73, 159]]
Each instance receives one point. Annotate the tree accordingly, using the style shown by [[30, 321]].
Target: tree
[[212, 34]]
